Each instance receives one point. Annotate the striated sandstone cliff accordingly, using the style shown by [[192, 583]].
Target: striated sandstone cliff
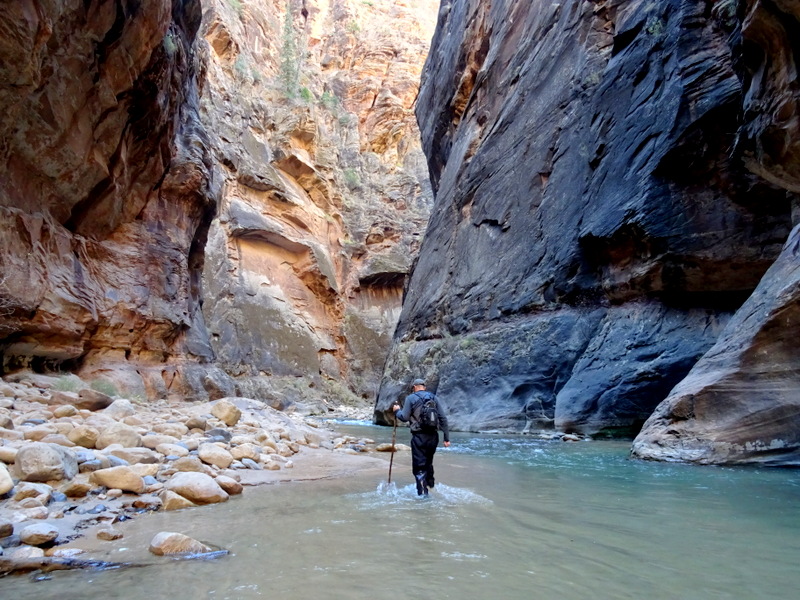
[[104, 188], [612, 179], [209, 199], [325, 190]]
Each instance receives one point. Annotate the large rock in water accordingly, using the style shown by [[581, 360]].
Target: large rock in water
[[740, 403], [602, 209]]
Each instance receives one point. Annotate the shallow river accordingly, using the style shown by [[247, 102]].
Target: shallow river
[[511, 518]]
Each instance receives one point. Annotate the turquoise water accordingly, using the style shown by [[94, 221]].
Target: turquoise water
[[510, 518]]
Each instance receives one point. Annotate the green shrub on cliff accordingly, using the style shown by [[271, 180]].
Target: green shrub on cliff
[[104, 387]]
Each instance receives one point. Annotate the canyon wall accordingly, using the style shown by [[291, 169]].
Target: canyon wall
[[213, 198], [613, 179], [105, 190], [325, 191]]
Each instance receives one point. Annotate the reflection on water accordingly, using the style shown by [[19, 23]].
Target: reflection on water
[[509, 518]]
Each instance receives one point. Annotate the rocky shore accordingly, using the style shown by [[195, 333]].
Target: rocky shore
[[75, 464]]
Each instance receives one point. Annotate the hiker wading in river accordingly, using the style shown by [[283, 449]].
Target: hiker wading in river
[[425, 414]]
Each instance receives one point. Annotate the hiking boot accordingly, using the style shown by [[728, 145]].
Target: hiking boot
[[422, 489]]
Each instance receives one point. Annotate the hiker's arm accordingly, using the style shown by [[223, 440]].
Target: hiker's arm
[[404, 413], [443, 425]]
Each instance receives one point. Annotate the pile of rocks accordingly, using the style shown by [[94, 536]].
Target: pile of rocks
[[72, 458]]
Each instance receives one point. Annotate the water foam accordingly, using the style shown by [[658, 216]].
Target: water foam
[[389, 494]]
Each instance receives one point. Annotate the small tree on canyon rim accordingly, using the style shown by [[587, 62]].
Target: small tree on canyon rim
[[290, 56]]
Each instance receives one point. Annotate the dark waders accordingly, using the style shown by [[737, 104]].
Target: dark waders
[[391, 458]]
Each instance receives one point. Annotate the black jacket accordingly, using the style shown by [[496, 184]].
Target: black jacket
[[411, 409]]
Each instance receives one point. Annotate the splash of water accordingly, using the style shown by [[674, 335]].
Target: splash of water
[[389, 494]]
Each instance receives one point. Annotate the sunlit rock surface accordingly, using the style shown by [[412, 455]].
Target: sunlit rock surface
[[104, 190], [602, 207], [325, 190], [209, 199]]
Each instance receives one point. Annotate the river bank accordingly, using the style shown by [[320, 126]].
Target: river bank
[[78, 468]]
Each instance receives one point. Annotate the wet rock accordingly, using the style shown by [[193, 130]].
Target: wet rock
[[41, 491], [38, 534], [30, 503], [174, 501], [597, 243], [24, 552], [230, 485], [739, 404], [45, 462], [6, 528], [123, 478], [227, 412], [77, 488], [214, 455], [64, 552], [109, 534], [249, 463], [385, 448], [197, 487], [150, 503], [169, 543]]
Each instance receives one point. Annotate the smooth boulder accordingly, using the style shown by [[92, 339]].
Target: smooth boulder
[[6, 483], [45, 462], [167, 543], [119, 433], [38, 534], [227, 412], [214, 455], [122, 478], [196, 487]]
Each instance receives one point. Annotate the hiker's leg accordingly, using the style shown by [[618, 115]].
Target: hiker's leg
[[429, 480], [419, 460]]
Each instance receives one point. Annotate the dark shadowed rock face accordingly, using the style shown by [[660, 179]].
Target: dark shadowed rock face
[[598, 219], [741, 402]]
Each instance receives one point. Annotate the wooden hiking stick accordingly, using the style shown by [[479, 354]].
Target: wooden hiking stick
[[391, 458]]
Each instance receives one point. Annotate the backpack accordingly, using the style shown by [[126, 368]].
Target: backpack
[[428, 415]]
